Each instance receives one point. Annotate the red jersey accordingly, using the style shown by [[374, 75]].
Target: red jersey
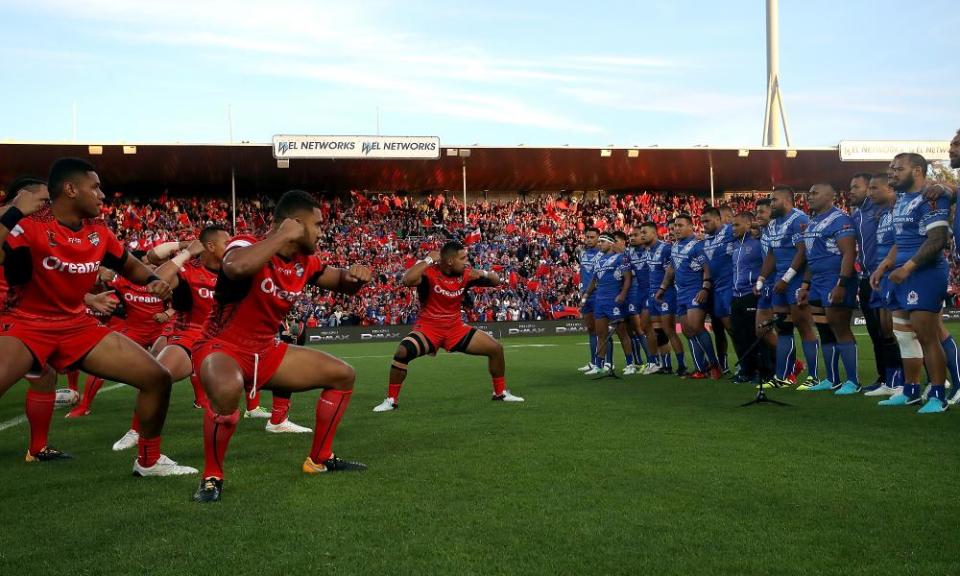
[[140, 306], [193, 296], [50, 267], [441, 296], [247, 312], [3, 290]]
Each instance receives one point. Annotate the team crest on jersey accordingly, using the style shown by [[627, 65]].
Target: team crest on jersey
[[94, 238], [913, 297], [298, 270], [52, 239]]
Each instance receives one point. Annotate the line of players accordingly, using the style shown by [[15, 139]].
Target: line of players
[[767, 275], [229, 296]]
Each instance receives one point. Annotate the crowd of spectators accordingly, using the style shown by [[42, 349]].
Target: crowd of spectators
[[532, 241]]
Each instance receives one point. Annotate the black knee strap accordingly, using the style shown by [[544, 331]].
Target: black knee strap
[[400, 362], [826, 334], [662, 339], [784, 326]]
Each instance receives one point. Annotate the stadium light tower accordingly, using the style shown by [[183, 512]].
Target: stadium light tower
[[773, 113]]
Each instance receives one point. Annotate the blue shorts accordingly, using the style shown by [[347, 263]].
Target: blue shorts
[[788, 298], [685, 302], [923, 290], [667, 307], [821, 286], [588, 306], [879, 297], [635, 303], [609, 309], [720, 300], [765, 299]]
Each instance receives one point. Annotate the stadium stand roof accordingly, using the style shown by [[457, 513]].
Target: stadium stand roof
[[205, 168]]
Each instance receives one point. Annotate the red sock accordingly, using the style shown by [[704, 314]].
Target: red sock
[[499, 385], [148, 451], [90, 389], [393, 391], [217, 431], [199, 396], [252, 403], [330, 408], [73, 377], [39, 409], [135, 423], [280, 408]]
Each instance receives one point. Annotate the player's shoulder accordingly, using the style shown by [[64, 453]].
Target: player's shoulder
[[40, 220], [242, 241]]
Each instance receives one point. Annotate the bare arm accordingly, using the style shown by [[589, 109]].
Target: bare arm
[[248, 260], [848, 252], [931, 249], [344, 281]]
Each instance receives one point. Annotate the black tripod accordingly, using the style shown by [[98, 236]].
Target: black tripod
[[608, 341], [761, 397]]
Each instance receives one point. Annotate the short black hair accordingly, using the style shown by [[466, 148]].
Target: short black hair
[[916, 160], [784, 188], [763, 202], [685, 216], [711, 211], [450, 248], [209, 230], [649, 224], [619, 235], [746, 214], [592, 229], [21, 182], [64, 169], [292, 202], [865, 176], [725, 208]]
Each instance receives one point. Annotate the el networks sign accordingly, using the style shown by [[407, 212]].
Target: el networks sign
[[287, 146]]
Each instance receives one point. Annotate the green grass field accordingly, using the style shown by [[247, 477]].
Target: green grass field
[[647, 475]]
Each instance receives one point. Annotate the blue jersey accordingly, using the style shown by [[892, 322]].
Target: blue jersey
[[913, 217], [688, 260], [588, 262], [658, 257], [865, 223], [886, 236], [637, 257], [821, 236], [783, 235], [747, 260], [609, 273], [719, 249]]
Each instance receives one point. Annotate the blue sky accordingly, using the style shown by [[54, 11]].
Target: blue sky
[[493, 73]]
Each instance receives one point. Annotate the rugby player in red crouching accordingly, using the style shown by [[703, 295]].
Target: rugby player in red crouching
[[144, 316], [25, 193], [441, 279], [52, 258], [257, 285]]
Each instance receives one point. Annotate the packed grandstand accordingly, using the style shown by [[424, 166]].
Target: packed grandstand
[[532, 240]]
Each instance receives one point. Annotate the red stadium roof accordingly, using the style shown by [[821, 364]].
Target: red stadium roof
[[205, 168]]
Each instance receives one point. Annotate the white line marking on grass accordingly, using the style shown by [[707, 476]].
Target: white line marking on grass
[[21, 419], [13, 422], [531, 346]]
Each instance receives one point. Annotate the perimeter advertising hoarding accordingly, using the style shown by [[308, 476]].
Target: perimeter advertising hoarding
[[287, 146], [396, 333], [885, 150]]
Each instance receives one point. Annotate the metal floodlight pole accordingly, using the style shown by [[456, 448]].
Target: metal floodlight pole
[[774, 112], [713, 200], [464, 154], [233, 176]]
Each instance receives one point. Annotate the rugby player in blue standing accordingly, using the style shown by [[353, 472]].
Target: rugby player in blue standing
[[588, 261], [637, 313], [718, 244], [883, 198], [785, 261], [690, 270], [611, 283], [662, 311], [830, 286], [918, 282]]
